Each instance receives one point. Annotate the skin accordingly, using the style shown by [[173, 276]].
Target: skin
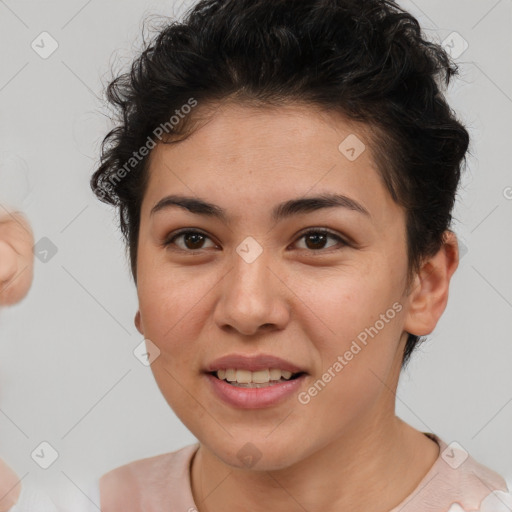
[[16, 258], [10, 487], [16, 272], [346, 449]]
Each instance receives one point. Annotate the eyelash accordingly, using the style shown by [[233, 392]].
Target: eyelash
[[322, 231]]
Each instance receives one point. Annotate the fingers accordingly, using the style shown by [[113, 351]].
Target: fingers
[[10, 487], [16, 258]]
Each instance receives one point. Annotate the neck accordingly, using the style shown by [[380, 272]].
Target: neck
[[374, 466]]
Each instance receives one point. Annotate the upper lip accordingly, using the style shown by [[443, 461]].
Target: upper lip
[[252, 363]]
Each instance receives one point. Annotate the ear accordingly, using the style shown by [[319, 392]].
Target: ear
[[138, 322], [429, 296]]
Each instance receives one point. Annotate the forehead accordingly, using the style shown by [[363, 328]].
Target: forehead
[[244, 156], [233, 130]]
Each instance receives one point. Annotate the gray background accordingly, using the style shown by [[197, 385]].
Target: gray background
[[67, 372]]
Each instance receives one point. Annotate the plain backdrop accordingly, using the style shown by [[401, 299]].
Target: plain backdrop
[[68, 375]]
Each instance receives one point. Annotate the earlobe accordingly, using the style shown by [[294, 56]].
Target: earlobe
[[429, 295], [138, 323]]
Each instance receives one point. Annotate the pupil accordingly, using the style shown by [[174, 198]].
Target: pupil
[[195, 242], [318, 238]]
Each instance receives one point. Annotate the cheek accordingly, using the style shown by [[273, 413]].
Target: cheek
[[171, 305], [344, 303], [358, 335]]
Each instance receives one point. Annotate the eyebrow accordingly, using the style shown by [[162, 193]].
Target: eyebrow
[[281, 211]]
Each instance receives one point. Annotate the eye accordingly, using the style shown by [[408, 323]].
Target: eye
[[193, 240], [315, 239]]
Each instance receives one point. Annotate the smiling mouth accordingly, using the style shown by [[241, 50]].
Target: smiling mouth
[[257, 379]]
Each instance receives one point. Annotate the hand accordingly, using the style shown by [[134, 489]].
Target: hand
[[16, 257], [10, 487]]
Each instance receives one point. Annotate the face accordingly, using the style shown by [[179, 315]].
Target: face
[[320, 285]]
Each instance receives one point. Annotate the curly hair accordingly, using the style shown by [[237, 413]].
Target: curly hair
[[366, 59]]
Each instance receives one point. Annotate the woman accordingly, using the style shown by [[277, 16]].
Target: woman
[[285, 175]]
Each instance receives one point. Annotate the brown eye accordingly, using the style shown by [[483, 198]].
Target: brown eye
[[191, 240], [316, 239]]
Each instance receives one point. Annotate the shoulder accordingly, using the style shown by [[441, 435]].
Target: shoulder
[[466, 471], [457, 483], [129, 487], [473, 470], [466, 481], [481, 487]]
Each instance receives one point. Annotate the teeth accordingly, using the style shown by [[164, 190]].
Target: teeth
[[258, 377], [230, 375], [243, 376], [275, 374]]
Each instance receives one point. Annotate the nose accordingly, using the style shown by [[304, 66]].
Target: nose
[[253, 297]]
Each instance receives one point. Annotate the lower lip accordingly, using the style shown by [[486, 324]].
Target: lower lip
[[254, 398]]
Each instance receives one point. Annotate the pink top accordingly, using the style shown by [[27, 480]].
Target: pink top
[[455, 483]]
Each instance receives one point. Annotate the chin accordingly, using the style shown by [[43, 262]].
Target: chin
[[256, 453]]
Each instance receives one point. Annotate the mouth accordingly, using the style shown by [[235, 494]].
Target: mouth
[[242, 378], [254, 381]]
